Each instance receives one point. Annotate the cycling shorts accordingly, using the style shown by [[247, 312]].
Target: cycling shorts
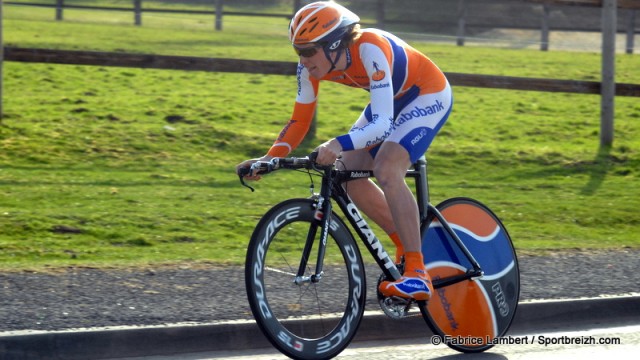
[[418, 118]]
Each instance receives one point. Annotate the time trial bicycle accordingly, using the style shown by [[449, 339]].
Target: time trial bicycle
[[305, 278]]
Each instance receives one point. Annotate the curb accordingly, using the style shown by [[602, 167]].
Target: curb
[[545, 315]]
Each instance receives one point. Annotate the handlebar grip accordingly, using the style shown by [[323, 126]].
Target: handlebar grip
[[242, 172], [257, 168], [313, 156]]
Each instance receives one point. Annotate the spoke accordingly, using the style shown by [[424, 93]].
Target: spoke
[[320, 312], [267, 268]]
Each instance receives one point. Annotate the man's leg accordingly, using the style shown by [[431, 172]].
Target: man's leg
[[390, 167], [369, 197]]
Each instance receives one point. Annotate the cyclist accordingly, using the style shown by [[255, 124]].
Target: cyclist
[[410, 100]]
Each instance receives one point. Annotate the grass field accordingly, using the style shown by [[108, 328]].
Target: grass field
[[108, 166]]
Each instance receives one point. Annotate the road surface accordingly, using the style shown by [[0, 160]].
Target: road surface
[[617, 343]]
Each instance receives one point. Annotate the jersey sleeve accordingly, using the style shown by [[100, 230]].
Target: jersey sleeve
[[295, 130], [378, 68]]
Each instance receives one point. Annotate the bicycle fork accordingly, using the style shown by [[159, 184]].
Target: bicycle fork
[[323, 216]]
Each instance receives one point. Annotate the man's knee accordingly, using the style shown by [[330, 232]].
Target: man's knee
[[387, 173]]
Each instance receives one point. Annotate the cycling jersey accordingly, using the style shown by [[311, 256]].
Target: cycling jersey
[[393, 72]]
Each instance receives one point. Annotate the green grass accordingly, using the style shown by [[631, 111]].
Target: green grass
[[108, 166]]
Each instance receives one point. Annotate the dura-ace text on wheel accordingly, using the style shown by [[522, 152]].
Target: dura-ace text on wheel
[[304, 316]]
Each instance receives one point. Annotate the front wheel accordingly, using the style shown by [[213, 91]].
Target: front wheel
[[470, 315], [308, 319]]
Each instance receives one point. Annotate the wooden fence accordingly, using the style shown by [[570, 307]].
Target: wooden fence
[[632, 5], [217, 10], [75, 57]]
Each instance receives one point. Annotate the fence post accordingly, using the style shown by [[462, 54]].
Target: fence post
[[59, 7], [1, 61], [462, 18], [219, 15], [608, 90], [631, 24], [137, 12], [380, 14], [544, 36]]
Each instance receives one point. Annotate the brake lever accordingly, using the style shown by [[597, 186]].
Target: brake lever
[[313, 156], [241, 175], [270, 166], [244, 183]]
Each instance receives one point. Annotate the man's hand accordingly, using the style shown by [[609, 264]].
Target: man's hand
[[248, 163], [328, 152]]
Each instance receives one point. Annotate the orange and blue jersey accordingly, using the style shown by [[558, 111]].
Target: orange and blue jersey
[[393, 72]]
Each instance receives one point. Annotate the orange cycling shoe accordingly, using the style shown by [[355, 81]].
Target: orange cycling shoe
[[412, 285]]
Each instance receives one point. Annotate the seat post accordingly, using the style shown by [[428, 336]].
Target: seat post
[[422, 187]]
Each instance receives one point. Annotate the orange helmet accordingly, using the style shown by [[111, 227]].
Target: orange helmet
[[322, 21]]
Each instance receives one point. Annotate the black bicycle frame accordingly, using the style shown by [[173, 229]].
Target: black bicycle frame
[[427, 210], [332, 189]]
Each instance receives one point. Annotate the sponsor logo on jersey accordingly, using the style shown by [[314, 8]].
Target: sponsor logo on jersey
[[378, 139], [378, 75], [379, 86], [285, 129], [419, 137], [299, 73], [417, 111]]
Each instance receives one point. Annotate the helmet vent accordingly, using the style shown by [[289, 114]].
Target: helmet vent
[[335, 20]]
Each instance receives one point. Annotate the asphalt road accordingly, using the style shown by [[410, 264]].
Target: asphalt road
[[606, 343], [99, 314], [243, 338]]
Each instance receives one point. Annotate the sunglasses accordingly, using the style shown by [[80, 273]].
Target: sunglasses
[[307, 51]]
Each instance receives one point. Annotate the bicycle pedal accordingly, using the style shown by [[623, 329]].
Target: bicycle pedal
[[396, 307]]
